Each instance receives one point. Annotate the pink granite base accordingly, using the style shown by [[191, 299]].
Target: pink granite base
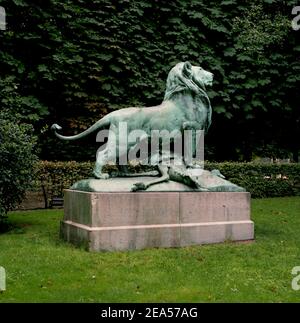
[[131, 221]]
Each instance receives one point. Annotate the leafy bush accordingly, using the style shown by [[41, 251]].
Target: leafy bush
[[23, 108], [261, 180], [17, 165]]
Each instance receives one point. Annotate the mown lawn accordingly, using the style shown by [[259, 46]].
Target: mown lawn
[[41, 268]]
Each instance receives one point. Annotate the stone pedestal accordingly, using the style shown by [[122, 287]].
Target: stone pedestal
[[129, 221]]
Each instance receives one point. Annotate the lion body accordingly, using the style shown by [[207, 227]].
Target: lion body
[[169, 115]]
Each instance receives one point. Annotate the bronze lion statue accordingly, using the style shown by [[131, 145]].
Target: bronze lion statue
[[185, 106]]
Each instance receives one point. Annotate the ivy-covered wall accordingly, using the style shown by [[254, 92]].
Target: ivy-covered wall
[[73, 61]]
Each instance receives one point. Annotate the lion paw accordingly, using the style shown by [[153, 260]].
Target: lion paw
[[139, 187]]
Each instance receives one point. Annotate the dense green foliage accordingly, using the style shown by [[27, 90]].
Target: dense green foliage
[[261, 180], [17, 165], [42, 268], [75, 60]]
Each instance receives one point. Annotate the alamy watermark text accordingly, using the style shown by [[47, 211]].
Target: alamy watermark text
[[2, 18], [296, 20]]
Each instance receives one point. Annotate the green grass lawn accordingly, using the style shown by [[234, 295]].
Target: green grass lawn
[[41, 268]]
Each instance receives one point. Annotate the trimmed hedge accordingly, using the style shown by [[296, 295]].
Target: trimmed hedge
[[54, 177], [261, 180]]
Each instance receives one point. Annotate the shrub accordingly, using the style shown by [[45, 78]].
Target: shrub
[[17, 164]]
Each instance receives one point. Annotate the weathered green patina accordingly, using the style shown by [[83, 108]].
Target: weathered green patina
[[186, 105]]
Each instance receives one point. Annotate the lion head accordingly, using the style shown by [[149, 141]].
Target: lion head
[[185, 76], [191, 80]]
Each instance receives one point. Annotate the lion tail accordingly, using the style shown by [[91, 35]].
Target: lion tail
[[102, 123]]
